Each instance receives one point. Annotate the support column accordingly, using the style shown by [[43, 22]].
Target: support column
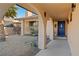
[[41, 35], [49, 29], [27, 27], [22, 28]]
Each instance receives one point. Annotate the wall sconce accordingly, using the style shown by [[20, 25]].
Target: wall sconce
[[73, 6], [70, 17], [55, 25], [44, 14], [67, 21]]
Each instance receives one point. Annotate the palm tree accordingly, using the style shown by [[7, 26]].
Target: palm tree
[[10, 13]]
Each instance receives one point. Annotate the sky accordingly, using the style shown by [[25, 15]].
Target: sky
[[21, 12]]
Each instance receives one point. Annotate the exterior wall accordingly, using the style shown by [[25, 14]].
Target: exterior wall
[[73, 32]]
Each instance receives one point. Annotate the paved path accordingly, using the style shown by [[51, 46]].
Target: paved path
[[56, 48], [16, 45]]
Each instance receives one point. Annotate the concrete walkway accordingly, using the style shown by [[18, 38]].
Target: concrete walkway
[[56, 48], [16, 45]]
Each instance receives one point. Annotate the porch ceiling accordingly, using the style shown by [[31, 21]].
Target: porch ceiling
[[57, 10]]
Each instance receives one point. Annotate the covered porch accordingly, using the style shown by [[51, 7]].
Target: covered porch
[[48, 16]]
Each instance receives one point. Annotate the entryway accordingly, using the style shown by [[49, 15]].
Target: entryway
[[61, 28]]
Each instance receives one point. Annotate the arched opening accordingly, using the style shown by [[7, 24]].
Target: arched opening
[[14, 24], [19, 42], [41, 26]]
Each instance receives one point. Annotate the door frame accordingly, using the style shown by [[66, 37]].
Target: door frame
[[58, 29]]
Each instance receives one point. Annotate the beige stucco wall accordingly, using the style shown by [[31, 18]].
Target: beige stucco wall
[[73, 32]]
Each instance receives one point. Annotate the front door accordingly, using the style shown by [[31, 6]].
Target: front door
[[61, 28]]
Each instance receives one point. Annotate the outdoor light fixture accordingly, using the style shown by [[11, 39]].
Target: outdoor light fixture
[[70, 17], [73, 6], [44, 14], [67, 21]]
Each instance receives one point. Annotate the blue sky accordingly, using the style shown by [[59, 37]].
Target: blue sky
[[21, 12]]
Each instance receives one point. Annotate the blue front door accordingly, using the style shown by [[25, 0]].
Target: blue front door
[[61, 28]]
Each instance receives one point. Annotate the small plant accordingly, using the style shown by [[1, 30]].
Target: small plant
[[32, 30]]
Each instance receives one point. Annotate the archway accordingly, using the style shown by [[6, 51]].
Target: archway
[[41, 26]]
